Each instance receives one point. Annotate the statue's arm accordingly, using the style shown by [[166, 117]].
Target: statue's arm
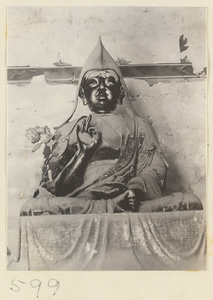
[[72, 174]]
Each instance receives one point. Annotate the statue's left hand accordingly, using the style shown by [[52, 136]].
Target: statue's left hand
[[29, 206], [47, 205], [36, 206]]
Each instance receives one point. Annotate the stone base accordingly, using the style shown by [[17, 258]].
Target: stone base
[[126, 241]]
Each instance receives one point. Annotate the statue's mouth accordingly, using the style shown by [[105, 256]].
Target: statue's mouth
[[101, 96]]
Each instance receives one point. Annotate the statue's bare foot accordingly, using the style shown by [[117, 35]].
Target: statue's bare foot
[[127, 201]]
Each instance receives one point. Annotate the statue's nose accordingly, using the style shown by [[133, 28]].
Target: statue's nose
[[101, 86]]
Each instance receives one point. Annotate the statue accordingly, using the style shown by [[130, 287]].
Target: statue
[[109, 161]]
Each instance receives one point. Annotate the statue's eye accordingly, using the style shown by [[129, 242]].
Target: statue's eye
[[110, 81], [93, 82]]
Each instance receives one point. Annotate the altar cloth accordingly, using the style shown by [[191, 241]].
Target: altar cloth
[[125, 241]]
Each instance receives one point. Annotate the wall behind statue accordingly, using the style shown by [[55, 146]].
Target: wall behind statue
[[142, 35]]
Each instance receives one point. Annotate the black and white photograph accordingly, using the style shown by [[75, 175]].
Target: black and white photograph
[[106, 138]]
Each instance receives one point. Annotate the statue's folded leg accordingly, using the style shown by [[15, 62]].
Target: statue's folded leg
[[173, 202]]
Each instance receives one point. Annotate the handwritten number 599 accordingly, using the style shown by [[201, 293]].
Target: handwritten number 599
[[35, 283]]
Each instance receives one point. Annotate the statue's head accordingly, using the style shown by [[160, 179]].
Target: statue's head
[[101, 90], [101, 85]]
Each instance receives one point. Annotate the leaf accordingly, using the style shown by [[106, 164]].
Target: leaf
[[60, 148], [51, 143], [46, 151], [36, 147], [53, 163], [36, 193]]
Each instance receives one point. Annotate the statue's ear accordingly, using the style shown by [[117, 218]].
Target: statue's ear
[[121, 95], [82, 95]]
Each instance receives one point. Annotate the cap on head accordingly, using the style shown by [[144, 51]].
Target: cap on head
[[100, 59]]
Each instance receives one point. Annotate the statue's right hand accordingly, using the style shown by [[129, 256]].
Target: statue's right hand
[[88, 137]]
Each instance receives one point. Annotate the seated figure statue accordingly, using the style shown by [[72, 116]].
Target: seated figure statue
[[109, 161]]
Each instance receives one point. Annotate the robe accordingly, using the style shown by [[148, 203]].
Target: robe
[[128, 157]]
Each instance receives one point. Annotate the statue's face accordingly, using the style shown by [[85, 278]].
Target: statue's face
[[101, 90]]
